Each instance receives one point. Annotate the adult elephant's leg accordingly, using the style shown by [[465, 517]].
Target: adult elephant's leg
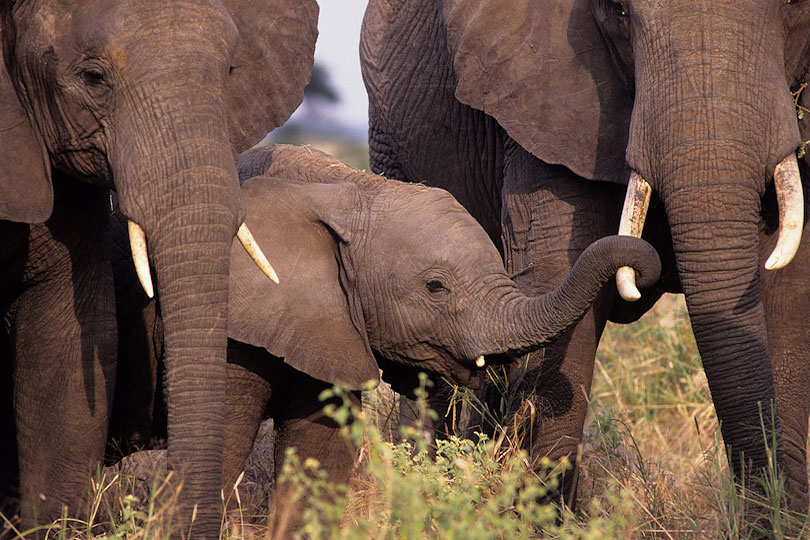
[[300, 423], [246, 398], [63, 335], [549, 217], [786, 304], [9, 478]]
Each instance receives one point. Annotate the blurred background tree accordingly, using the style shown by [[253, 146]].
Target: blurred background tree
[[320, 87], [316, 123]]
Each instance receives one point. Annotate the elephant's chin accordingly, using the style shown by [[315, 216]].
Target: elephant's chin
[[402, 372]]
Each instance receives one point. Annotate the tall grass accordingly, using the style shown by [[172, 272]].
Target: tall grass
[[652, 466]]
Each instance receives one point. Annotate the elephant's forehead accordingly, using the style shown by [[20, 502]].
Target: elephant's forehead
[[48, 19], [129, 25], [434, 227]]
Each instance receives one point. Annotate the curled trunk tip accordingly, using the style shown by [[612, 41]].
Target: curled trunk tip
[[544, 318]]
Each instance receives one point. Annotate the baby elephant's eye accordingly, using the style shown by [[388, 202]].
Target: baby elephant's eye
[[435, 286]]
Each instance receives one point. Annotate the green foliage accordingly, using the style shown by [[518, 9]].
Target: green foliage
[[462, 491]]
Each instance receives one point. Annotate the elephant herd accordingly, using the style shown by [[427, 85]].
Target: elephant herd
[[553, 125]]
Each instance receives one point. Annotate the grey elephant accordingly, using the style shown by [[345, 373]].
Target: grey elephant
[[375, 273], [543, 117], [151, 99]]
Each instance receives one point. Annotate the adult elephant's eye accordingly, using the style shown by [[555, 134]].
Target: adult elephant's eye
[[619, 8], [435, 286], [92, 76]]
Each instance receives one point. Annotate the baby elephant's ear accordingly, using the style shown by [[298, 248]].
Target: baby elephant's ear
[[313, 319], [26, 193]]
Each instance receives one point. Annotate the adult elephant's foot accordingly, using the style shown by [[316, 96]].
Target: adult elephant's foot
[[554, 392]]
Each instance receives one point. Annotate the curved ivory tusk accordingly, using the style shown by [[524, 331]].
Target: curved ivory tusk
[[788, 184], [636, 203], [137, 243], [249, 243], [480, 361]]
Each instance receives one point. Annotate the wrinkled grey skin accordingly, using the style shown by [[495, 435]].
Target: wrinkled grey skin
[[151, 99], [533, 113], [373, 273]]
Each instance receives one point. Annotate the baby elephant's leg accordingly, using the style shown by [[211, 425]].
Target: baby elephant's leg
[[300, 423], [248, 393]]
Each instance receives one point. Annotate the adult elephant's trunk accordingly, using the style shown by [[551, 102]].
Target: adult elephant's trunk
[[192, 264], [716, 242], [521, 324], [176, 179]]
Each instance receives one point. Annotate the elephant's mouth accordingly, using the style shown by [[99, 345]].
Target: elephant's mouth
[[401, 370], [472, 373], [503, 359]]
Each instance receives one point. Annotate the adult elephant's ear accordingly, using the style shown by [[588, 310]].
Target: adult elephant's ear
[[542, 69], [271, 66], [313, 318], [26, 193]]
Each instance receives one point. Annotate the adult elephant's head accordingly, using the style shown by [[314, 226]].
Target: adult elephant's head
[[689, 97], [153, 98]]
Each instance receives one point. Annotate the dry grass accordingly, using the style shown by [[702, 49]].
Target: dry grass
[[651, 426], [652, 429]]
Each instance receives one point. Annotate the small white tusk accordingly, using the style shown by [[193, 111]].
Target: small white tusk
[[788, 183], [479, 362], [634, 212], [137, 243], [255, 252]]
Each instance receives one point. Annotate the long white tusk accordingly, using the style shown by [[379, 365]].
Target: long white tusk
[[137, 243], [480, 361], [788, 183], [255, 252], [636, 203]]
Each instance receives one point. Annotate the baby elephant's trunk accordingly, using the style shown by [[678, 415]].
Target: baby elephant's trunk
[[523, 324]]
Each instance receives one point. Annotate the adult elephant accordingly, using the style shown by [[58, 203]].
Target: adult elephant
[[537, 114], [153, 99]]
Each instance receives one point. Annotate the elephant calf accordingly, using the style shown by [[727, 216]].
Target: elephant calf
[[374, 273]]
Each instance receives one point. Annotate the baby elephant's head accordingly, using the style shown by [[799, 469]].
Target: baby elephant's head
[[400, 271]]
